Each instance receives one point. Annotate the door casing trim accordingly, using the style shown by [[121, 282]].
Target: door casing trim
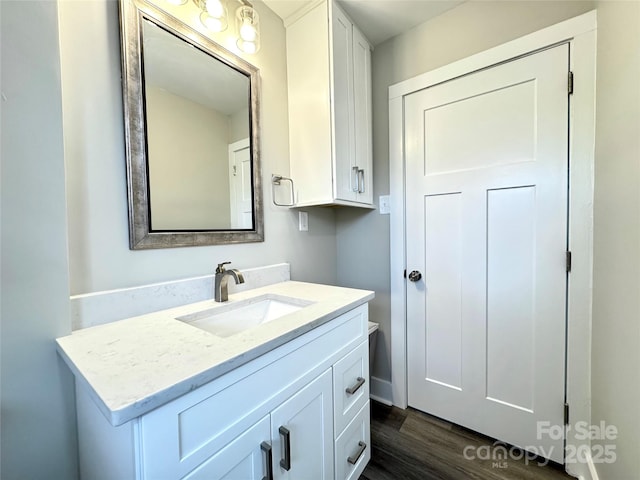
[[580, 34]]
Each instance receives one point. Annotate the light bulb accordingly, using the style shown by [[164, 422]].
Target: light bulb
[[248, 28], [247, 47], [247, 31], [215, 8], [212, 23]]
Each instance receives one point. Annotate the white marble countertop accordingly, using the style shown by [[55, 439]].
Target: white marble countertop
[[135, 365]]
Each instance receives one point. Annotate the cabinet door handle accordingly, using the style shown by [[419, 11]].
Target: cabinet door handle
[[361, 448], [266, 449], [355, 173], [356, 387], [286, 449], [360, 182]]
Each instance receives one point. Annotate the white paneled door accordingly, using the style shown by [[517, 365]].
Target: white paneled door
[[241, 200], [486, 186]]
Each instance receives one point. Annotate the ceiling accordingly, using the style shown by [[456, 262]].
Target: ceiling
[[379, 20]]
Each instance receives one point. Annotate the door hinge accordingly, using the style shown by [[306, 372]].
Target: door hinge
[[570, 83], [568, 261], [405, 273], [566, 414]]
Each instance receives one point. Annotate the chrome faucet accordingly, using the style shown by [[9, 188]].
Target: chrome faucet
[[221, 292]]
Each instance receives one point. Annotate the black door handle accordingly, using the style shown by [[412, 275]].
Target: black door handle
[[415, 275]]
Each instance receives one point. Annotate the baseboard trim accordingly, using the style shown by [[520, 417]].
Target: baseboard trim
[[585, 469], [380, 391], [592, 468]]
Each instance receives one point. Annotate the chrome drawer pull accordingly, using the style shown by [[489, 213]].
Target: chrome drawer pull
[[361, 448], [357, 176], [356, 387]]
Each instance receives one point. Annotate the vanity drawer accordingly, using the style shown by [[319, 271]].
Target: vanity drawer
[[350, 385], [353, 446]]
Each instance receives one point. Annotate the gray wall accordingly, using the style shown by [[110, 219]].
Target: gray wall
[[99, 255], [616, 287], [476, 26], [38, 411]]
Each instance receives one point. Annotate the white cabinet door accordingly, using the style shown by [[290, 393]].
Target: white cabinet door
[[362, 117], [343, 107], [308, 419], [244, 458]]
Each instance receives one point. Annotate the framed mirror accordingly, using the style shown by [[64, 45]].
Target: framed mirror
[[191, 115]]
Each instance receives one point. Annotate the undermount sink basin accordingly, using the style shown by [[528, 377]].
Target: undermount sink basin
[[235, 317]]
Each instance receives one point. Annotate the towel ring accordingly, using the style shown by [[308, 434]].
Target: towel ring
[[277, 180]]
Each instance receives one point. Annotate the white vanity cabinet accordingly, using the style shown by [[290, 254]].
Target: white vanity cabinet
[[329, 81], [300, 427], [300, 410]]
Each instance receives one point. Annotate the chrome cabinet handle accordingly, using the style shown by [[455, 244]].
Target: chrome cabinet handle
[[266, 449], [361, 448], [355, 170], [286, 437], [361, 181], [415, 276], [356, 387]]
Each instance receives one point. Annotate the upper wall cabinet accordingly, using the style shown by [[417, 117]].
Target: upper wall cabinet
[[329, 75]]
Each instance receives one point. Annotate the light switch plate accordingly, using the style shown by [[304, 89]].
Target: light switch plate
[[384, 205], [303, 221]]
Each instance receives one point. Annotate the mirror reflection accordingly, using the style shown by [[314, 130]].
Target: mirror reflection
[[198, 137]]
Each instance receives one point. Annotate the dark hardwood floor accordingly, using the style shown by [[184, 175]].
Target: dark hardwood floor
[[411, 445]]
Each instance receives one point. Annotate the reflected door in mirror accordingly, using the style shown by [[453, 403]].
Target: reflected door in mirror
[[240, 184]]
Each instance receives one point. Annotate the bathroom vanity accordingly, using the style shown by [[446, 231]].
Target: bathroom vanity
[[272, 384]]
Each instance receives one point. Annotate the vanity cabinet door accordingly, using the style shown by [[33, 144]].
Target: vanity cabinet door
[[308, 418], [345, 169], [244, 458], [351, 62], [297, 436], [363, 156]]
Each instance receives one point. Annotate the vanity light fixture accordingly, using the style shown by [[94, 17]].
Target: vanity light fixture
[[214, 17], [176, 2], [248, 27]]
